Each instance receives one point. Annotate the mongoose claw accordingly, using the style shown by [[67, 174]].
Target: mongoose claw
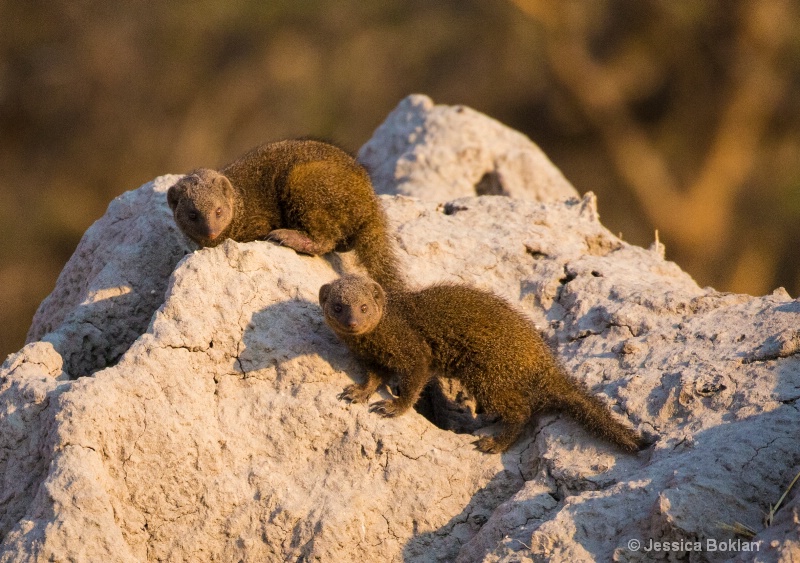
[[274, 236], [354, 394], [386, 409], [488, 445]]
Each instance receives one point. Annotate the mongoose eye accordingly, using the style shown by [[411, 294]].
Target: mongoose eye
[[193, 215], [218, 211], [337, 308], [363, 308]]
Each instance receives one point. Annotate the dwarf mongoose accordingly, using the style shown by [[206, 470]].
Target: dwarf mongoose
[[468, 334], [308, 195]]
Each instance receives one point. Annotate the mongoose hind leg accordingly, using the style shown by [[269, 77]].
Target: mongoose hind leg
[[389, 408], [323, 205], [300, 242], [502, 441], [361, 392]]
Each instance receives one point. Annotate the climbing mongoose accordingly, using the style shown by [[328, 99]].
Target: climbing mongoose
[[308, 195], [468, 334]]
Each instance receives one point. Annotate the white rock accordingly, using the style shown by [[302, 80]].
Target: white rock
[[441, 152], [214, 432], [114, 282]]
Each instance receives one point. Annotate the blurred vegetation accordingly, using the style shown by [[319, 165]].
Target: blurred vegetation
[[682, 116]]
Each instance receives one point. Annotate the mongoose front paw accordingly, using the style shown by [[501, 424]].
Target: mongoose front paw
[[388, 408], [354, 393], [488, 445], [295, 240]]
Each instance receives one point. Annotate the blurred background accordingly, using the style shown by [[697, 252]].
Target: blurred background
[[682, 116]]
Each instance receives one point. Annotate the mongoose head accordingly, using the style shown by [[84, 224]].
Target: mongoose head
[[202, 203], [352, 305]]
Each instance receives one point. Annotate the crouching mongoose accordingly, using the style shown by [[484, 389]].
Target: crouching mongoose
[[472, 335], [308, 195]]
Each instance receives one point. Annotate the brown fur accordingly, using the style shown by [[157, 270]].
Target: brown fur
[[464, 333], [308, 195]]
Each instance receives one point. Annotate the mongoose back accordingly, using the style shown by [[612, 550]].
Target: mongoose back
[[460, 332], [308, 195]]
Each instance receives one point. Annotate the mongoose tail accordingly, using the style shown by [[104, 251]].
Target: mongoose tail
[[593, 415], [377, 254]]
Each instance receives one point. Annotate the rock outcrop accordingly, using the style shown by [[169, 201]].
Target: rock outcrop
[[439, 153], [183, 408]]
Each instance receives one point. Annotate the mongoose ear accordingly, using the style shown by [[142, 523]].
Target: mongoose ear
[[174, 194], [223, 184], [324, 291], [378, 294]]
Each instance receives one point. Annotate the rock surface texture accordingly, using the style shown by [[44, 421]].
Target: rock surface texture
[[179, 405], [438, 153]]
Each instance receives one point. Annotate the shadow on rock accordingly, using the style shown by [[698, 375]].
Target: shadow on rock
[[97, 334], [28, 407], [445, 543], [288, 330], [291, 329]]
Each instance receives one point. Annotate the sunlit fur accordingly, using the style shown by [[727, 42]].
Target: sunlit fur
[[468, 334], [308, 195]]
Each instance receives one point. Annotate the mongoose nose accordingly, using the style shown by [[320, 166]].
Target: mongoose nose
[[352, 324], [213, 235]]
